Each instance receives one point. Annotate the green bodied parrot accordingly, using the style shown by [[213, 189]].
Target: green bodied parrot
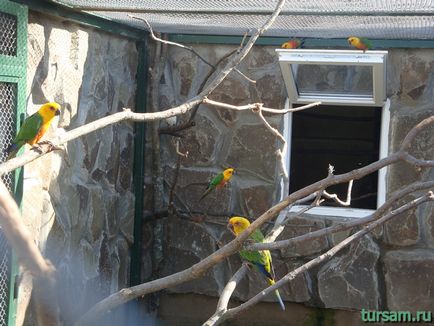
[[261, 259], [34, 127], [218, 181]]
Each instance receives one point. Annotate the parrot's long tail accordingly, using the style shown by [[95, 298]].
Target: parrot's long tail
[[206, 193], [13, 150], [282, 305]]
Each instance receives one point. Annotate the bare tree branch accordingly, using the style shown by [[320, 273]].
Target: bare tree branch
[[201, 267], [396, 196], [30, 258], [255, 107], [189, 48], [155, 38], [171, 207], [280, 153], [335, 197], [226, 294], [320, 259], [142, 117]]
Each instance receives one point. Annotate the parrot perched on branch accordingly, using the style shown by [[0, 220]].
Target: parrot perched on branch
[[293, 44], [360, 43], [261, 259], [34, 127], [218, 181]]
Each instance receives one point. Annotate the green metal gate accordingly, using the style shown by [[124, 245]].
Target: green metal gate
[[13, 59]]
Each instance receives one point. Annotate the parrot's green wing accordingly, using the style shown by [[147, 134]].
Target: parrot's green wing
[[29, 129], [257, 236], [261, 259], [367, 42], [216, 181]]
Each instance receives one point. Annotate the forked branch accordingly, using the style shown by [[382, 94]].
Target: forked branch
[[198, 269], [320, 259]]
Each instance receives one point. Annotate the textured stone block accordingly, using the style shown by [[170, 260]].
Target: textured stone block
[[299, 226], [254, 146], [298, 289], [202, 142], [255, 199], [412, 82], [350, 280], [408, 276], [404, 229], [188, 243]]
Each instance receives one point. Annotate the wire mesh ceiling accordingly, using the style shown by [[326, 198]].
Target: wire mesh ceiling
[[381, 19]]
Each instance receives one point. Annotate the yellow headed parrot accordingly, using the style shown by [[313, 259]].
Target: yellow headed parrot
[[261, 259], [218, 181], [34, 127], [360, 43], [293, 44]]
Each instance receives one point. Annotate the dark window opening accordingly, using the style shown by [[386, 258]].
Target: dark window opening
[[345, 137]]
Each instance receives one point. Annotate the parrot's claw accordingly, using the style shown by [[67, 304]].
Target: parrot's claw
[[50, 146], [38, 148]]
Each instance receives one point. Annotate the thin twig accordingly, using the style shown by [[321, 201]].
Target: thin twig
[[393, 198], [280, 153], [244, 76], [178, 151], [280, 225], [335, 197], [189, 48], [190, 122], [171, 207], [254, 106]]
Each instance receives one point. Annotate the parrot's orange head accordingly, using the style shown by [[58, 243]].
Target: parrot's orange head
[[49, 110], [292, 44], [238, 224], [228, 173], [353, 40]]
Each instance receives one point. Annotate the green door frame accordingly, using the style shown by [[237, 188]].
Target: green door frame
[[13, 70]]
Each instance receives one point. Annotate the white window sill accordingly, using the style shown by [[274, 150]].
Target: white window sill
[[334, 211]]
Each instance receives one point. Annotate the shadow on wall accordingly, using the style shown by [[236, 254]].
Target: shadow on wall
[[79, 205]]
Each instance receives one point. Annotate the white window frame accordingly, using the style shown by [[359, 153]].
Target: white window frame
[[378, 99], [374, 59]]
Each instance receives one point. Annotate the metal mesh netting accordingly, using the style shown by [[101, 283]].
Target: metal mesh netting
[[4, 279], [8, 93], [8, 35], [7, 112], [387, 19]]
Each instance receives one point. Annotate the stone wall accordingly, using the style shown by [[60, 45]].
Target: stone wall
[[388, 270], [79, 204]]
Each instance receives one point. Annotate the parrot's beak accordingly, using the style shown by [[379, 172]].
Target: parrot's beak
[[57, 112], [230, 228]]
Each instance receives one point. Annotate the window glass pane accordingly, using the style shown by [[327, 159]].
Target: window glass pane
[[345, 137], [333, 80]]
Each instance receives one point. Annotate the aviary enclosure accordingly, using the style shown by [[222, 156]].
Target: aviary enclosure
[[310, 120]]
